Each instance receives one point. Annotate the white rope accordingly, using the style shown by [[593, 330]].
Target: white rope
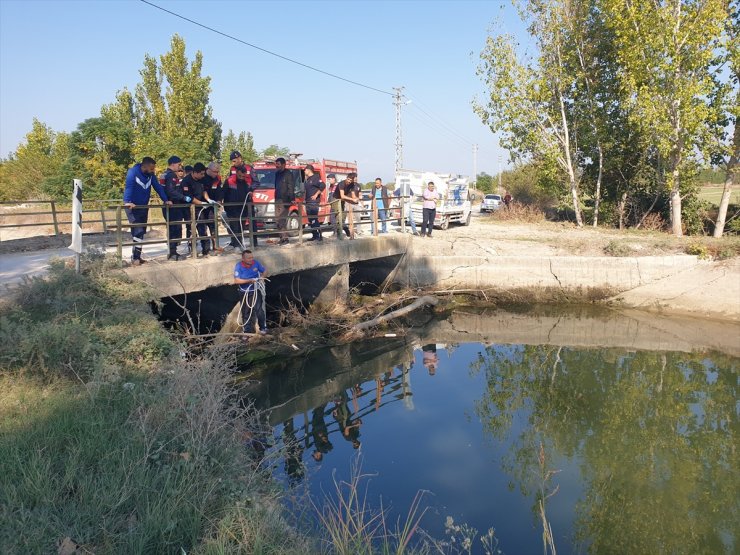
[[259, 293]]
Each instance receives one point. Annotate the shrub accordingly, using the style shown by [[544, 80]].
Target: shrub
[[517, 212], [617, 248], [697, 249]]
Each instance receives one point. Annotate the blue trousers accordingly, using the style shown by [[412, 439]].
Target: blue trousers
[[137, 216]]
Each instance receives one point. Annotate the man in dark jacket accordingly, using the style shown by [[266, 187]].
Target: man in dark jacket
[[140, 180], [238, 198], [314, 188], [195, 185], [284, 197], [213, 193], [349, 193], [170, 180]]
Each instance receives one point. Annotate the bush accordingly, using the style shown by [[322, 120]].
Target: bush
[[697, 249], [517, 212], [617, 248], [69, 325]]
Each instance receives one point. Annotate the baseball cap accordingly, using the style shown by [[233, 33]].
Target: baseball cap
[[234, 154], [331, 175], [173, 160]]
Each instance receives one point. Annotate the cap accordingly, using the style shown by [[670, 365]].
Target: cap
[[331, 175], [188, 168], [235, 154], [173, 160]]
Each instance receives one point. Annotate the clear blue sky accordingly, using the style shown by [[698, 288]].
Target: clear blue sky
[[61, 60]]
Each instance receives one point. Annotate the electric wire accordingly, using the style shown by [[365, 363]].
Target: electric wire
[[271, 53], [440, 130], [419, 106]]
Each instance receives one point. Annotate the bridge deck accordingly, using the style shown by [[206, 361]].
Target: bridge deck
[[186, 276]]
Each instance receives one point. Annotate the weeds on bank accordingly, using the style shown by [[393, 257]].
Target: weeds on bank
[[111, 441], [519, 213]]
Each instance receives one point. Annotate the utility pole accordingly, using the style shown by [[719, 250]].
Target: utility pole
[[398, 102], [475, 165]]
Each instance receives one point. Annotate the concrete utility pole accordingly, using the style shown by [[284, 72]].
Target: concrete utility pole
[[475, 165], [398, 102]]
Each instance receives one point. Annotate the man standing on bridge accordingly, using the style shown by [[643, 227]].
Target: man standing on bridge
[[284, 197], [314, 188], [249, 275], [139, 182]]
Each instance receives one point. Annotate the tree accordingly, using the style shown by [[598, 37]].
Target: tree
[[484, 183], [531, 104], [180, 119], [35, 160], [665, 49], [244, 143], [729, 103], [275, 151]]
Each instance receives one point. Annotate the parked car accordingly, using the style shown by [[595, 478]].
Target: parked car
[[490, 203]]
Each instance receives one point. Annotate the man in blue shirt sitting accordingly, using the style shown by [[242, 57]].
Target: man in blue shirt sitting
[[249, 275]]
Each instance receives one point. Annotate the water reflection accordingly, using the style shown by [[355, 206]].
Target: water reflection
[[615, 449]]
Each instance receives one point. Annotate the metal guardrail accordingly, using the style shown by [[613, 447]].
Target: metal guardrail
[[113, 220]]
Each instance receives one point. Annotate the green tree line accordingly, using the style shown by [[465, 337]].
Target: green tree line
[[621, 104], [168, 113]]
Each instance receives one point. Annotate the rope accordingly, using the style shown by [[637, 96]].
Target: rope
[[259, 293]]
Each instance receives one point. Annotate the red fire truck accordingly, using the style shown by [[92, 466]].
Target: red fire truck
[[264, 195]]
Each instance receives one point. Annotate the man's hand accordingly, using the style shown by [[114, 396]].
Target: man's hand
[[128, 205], [168, 202]]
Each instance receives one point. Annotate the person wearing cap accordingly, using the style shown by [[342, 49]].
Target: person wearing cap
[[170, 180], [140, 180], [213, 192], [284, 197], [196, 189], [314, 188], [237, 195]]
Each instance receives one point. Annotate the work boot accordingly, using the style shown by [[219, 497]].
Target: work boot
[[174, 256]]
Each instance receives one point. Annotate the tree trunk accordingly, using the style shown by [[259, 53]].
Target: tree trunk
[[597, 200], [719, 226], [620, 209], [676, 226]]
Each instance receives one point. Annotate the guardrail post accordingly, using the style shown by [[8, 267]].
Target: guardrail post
[[374, 216], [193, 233], [54, 216], [102, 217], [119, 240], [252, 225], [215, 226], [300, 222]]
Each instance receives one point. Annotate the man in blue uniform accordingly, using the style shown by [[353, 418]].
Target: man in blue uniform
[[139, 182], [248, 275]]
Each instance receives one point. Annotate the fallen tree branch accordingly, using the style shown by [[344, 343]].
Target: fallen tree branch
[[418, 303]]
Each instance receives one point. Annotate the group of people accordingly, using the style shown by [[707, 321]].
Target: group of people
[[198, 187]]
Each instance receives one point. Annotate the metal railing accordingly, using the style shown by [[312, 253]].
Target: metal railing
[[253, 222]]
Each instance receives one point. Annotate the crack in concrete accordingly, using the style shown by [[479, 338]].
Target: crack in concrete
[[639, 272], [555, 276]]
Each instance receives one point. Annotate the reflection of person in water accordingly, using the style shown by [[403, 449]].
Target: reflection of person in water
[[320, 434], [293, 453], [429, 357], [350, 428]]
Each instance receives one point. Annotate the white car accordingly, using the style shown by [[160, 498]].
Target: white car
[[490, 203]]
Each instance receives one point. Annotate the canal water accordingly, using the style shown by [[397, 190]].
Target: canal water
[[619, 430]]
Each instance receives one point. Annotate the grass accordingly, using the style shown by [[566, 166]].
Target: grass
[[713, 194], [111, 441]]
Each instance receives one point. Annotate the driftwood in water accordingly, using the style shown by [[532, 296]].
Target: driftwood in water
[[418, 303]]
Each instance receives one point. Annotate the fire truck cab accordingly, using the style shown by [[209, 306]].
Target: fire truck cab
[[264, 194]]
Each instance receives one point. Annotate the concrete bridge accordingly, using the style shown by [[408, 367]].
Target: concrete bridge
[[323, 269]]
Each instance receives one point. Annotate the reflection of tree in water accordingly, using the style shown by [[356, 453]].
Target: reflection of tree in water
[[655, 433], [293, 454]]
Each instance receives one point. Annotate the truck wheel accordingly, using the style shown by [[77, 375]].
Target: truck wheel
[[444, 224], [293, 224], [467, 220]]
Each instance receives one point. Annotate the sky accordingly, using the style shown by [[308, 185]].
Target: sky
[[60, 61]]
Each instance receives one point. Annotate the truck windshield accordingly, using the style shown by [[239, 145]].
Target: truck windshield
[[266, 177]]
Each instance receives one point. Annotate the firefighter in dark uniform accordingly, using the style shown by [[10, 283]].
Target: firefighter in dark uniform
[[314, 188], [238, 197], [170, 180], [196, 189], [213, 193]]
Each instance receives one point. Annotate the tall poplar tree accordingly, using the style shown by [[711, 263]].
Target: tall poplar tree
[[664, 50]]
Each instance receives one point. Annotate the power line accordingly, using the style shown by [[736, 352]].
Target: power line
[[439, 120], [265, 50], [432, 124]]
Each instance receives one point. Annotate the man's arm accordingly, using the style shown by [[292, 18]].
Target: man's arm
[[160, 191], [128, 189]]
